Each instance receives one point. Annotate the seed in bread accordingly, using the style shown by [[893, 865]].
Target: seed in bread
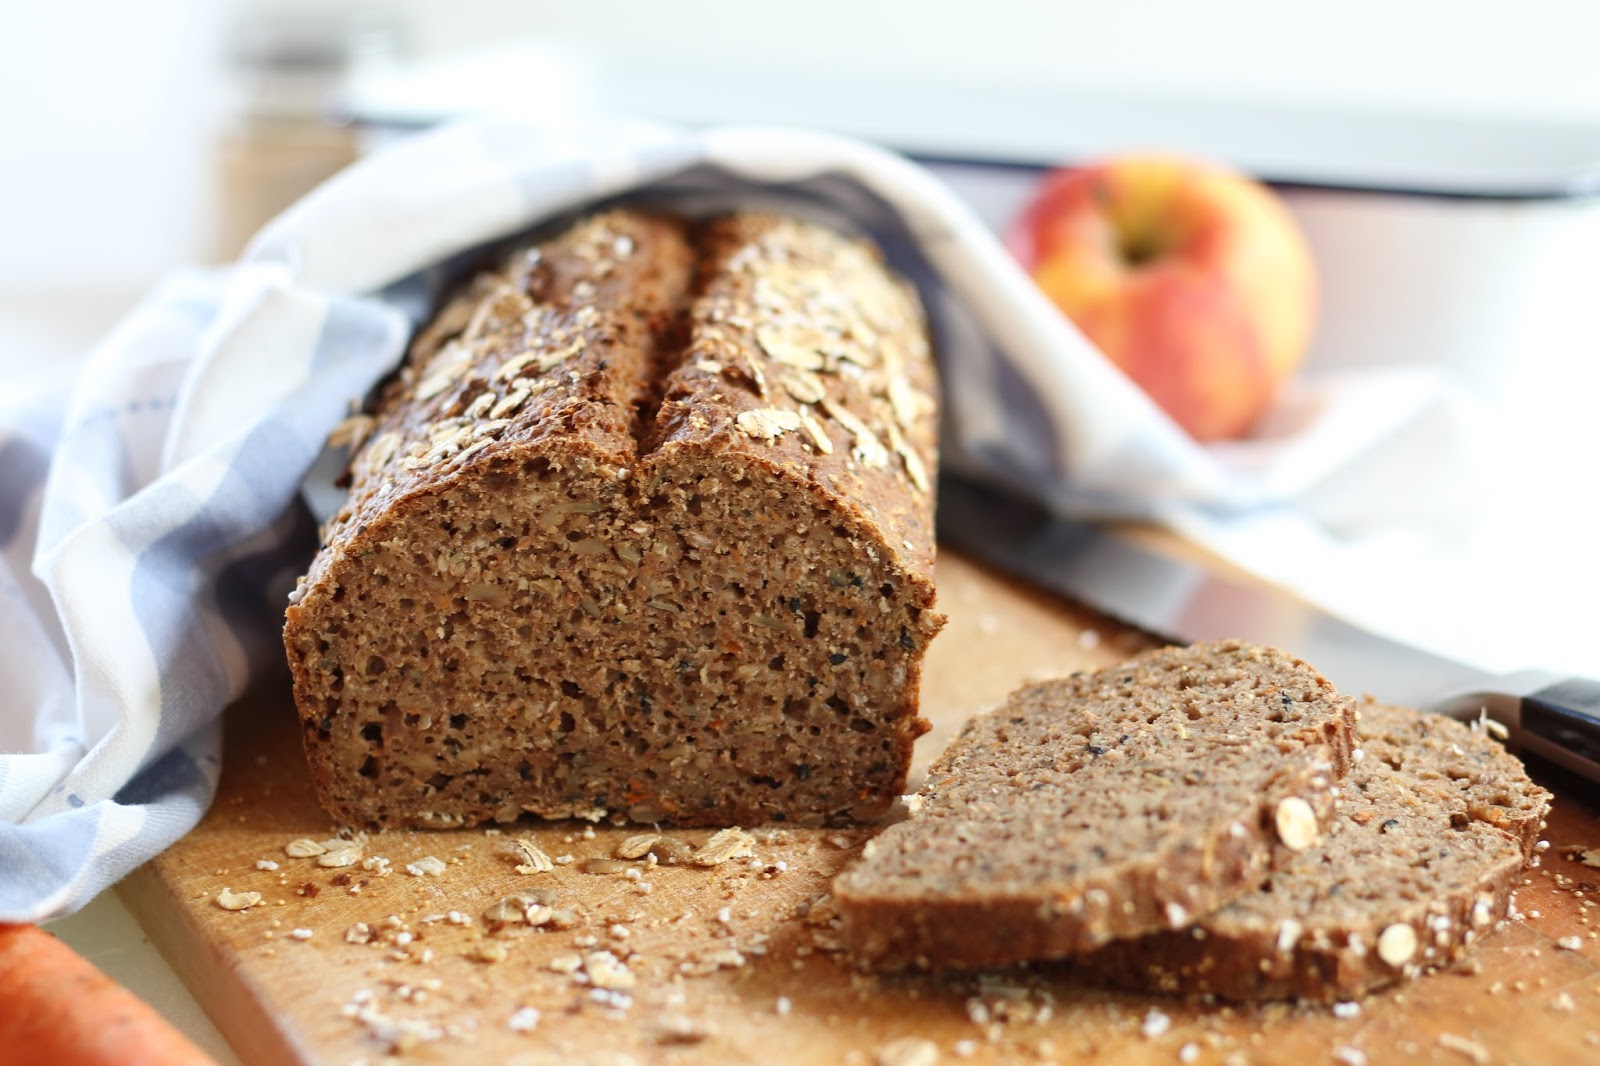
[[1103, 805], [1434, 825], [596, 560]]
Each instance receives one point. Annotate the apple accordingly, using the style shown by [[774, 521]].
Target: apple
[[1190, 277]]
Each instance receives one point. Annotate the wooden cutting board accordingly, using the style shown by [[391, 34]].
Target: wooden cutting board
[[733, 963]]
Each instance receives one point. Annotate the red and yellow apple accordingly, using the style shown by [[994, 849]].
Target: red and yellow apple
[[1192, 278]]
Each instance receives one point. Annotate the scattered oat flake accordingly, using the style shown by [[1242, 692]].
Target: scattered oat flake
[[818, 433], [914, 468], [266, 864], [534, 860], [509, 403], [1188, 1053], [523, 1020], [1346, 1009], [1350, 1056], [908, 1051], [230, 900], [908, 404], [304, 848], [767, 423], [470, 450], [725, 844], [1564, 1003], [868, 450], [1495, 729], [1461, 1045], [490, 951], [360, 933], [301, 934], [803, 385], [513, 366], [606, 971], [783, 1006], [1155, 1024], [400, 1034], [566, 963], [427, 865], [797, 347], [1570, 943], [345, 856], [515, 909], [551, 360], [637, 846], [381, 450], [902, 447], [433, 386]]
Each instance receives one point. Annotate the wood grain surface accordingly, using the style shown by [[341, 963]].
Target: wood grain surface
[[733, 963]]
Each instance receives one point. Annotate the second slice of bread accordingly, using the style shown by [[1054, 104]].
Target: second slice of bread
[[1103, 805], [1435, 823]]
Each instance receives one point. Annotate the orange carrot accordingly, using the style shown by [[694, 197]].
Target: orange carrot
[[55, 1007]]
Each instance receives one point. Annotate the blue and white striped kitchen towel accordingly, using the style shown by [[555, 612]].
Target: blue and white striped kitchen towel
[[149, 528]]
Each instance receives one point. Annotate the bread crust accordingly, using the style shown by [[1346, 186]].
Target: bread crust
[[1101, 806], [585, 449]]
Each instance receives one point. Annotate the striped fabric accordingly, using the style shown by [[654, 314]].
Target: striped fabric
[[150, 523]]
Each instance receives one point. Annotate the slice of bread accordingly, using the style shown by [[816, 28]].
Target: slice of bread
[[1434, 826], [1103, 805]]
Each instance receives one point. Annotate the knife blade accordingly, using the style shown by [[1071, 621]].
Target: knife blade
[[1551, 715]]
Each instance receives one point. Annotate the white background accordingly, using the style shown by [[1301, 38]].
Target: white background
[[108, 109]]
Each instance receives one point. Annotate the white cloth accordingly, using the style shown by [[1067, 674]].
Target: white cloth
[[149, 524]]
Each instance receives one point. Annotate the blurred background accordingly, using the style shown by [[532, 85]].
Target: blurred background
[[141, 136]]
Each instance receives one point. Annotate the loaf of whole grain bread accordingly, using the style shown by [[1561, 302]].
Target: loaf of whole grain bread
[[1435, 823], [1103, 805], [643, 528]]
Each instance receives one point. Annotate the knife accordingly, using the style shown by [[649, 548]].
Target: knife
[[1551, 715]]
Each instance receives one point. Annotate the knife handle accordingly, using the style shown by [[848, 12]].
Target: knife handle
[[1567, 714]]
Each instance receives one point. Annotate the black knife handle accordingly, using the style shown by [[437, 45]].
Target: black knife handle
[[1566, 713]]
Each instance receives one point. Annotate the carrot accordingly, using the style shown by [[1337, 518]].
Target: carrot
[[56, 1007]]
